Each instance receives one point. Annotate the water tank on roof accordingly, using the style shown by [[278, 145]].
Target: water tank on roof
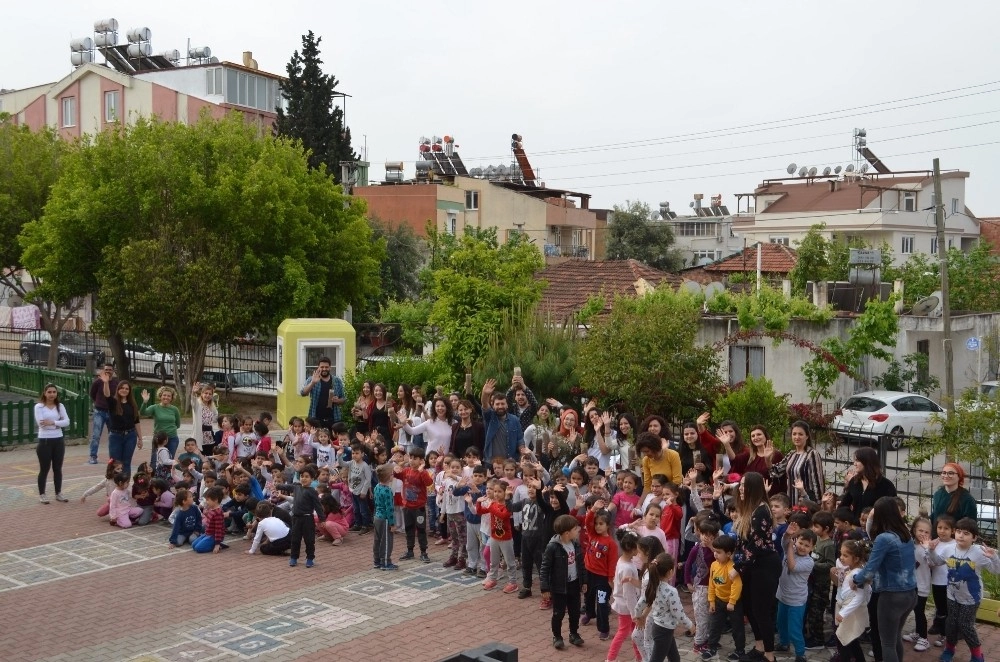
[[171, 54], [136, 35], [200, 53], [106, 39], [81, 57], [81, 44], [106, 25], [145, 49]]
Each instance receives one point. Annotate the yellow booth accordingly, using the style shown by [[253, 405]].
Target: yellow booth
[[301, 343]]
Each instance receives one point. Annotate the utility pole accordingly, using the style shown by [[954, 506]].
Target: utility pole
[[949, 356]]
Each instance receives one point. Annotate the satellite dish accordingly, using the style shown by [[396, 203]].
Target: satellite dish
[[837, 170], [813, 171], [849, 168], [864, 168], [791, 168], [929, 306], [803, 171], [827, 170], [691, 286], [713, 288], [691, 204]]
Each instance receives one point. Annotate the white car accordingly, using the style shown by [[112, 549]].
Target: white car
[[887, 417], [144, 360]]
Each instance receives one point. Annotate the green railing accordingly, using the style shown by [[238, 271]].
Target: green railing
[[17, 419]]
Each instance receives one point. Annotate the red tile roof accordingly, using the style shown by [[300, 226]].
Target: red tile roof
[[573, 282], [989, 231], [774, 259], [814, 196]]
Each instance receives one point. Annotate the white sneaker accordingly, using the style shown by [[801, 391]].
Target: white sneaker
[[913, 636], [921, 645], [939, 642]]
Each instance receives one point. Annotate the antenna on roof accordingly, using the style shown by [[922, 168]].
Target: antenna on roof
[[827, 170], [837, 170], [791, 168], [813, 171], [864, 168], [803, 171], [849, 168]]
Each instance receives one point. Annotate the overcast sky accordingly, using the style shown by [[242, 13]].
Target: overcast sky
[[705, 92]]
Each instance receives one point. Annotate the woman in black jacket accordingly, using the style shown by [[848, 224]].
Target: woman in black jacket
[[867, 485]]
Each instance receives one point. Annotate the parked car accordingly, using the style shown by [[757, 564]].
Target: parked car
[[887, 417], [989, 389], [239, 381], [73, 349], [144, 360]]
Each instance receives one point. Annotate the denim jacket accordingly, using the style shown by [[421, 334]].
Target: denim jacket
[[892, 565]]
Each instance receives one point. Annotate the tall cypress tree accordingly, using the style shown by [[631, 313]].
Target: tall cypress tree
[[313, 115]]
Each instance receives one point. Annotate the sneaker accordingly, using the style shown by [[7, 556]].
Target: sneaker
[[698, 649], [510, 588], [921, 645], [815, 645], [585, 620], [355, 528], [735, 656], [452, 561], [489, 584], [469, 571], [390, 566], [424, 557], [524, 593], [61, 499], [364, 530], [310, 563], [442, 541], [708, 654], [337, 542], [603, 636], [780, 648], [911, 637], [92, 460], [800, 658], [481, 574], [947, 655], [752, 655], [832, 641], [460, 565], [575, 639], [558, 643], [43, 498], [939, 642], [293, 562], [546, 603], [377, 565], [407, 556]]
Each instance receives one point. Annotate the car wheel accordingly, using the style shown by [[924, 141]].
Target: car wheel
[[25, 356], [894, 440], [62, 361]]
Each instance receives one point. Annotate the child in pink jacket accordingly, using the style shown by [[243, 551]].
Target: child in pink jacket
[[121, 511], [336, 524]]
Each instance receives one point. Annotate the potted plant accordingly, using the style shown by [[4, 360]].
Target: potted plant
[[989, 608]]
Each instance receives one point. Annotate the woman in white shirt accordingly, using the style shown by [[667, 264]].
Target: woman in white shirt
[[437, 431], [51, 418]]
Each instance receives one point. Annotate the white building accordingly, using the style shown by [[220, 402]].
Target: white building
[[706, 235], [895, 208]]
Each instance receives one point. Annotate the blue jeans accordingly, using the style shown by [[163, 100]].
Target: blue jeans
[[790, 627], [121, 447], [361, 515], [172, 444], [100, 419]]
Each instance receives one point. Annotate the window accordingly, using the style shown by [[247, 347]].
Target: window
[[954, 206], [245, 89], [906, 246], [69, 111], [111, 113], [705, 255], [951, 243], [779, 240], [451, 225], [213, 79], [513, 232], [910, 201], [472, 200], [934, 246], [923, 371], [745, 362], [698, 229]]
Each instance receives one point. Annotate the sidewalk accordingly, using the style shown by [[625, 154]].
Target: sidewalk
[[74, 588]]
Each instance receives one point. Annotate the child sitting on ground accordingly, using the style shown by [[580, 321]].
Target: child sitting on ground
[[187, 520]]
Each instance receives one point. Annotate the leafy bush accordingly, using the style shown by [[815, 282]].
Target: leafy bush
[[412, 370], [755, 403], [769, 308]]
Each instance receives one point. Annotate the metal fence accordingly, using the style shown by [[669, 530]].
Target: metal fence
[[17, 419]]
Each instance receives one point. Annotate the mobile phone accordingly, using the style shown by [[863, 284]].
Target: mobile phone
[[517, 371]]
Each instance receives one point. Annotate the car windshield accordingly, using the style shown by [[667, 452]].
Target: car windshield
[[861, 403], [989, 390], [244, 379], [70, 338]]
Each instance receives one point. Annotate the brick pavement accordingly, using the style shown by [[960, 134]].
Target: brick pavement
[[73, 588]]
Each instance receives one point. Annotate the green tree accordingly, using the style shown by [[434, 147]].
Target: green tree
[[313, 115], [223, 232], [473, 287], [921, 275], [644, 354], [813, 261], [911, 375], [632, 234], [755, 403], [399, 273], [544, 349], [30, 163]]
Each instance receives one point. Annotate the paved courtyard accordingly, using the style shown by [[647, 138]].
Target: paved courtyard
[[73, 588]]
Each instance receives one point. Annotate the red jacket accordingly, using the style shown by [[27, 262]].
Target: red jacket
[[601, 556], [214, 522], [670, 521], [500, 524], [415, 484]]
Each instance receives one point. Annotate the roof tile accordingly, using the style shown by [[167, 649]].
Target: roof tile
[[774, 259], [573, 282]]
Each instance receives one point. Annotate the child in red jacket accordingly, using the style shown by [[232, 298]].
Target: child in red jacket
[[415, 484], [496, 503], [601, 561]]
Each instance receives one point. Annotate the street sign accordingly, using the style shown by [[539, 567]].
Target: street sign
[[972, 344]]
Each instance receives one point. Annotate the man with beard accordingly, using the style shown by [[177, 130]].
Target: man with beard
[[326, 394], [503, 429]]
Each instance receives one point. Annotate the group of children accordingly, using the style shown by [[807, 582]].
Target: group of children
[[597, 548]]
